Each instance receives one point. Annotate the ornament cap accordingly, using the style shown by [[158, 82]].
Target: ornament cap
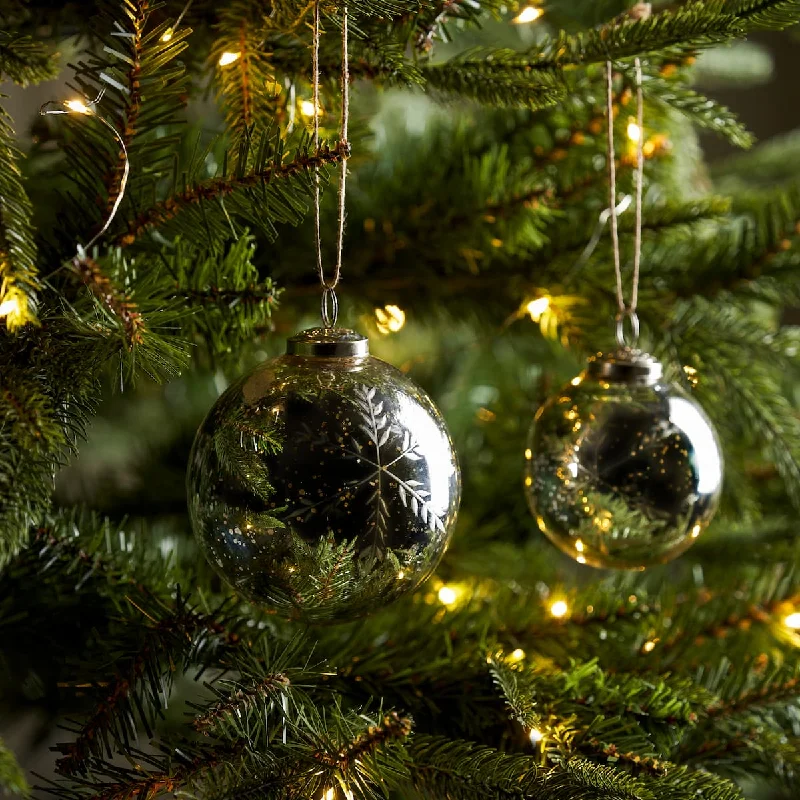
[[625, 365], [328, 343]]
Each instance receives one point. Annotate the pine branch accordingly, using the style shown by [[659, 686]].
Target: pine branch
[[116, 302], [495, 77], [392, 726], [18, 274], [771, 14], [691, 26], [12, 778], [176, 638], [248, 87], [701, 110], [262, 177], [241, 701], [25, 61]]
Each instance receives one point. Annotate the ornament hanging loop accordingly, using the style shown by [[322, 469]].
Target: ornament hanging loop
[[625, 342], [329, 307]]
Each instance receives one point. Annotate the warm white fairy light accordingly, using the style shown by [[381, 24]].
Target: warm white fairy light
[[535, 736], [228, 58], [167, 35], [10, 306], [307, 108], [649, 646], [448, 595], [329, 794], [78, 106], [634, 131], [517, 656], [528, 14], [390, 318], [537, 307], [559, 609], [793, 621]]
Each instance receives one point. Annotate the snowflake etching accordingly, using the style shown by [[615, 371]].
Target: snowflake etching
[[387, 444]]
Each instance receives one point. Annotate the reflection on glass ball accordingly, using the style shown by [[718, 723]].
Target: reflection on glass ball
[[324, 484], [622, 470]]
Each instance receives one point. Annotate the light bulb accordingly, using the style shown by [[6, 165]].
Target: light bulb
[[535, 736], [634, 132], [447, 595], [792, 621], [390, 318], [228, 58], [528, 14], [559, 609], [78, 106], [537, 307]]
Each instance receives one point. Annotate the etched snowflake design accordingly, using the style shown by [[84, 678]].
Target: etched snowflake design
[[380, 475]]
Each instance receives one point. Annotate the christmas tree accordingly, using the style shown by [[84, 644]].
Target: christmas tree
[[157, 242]]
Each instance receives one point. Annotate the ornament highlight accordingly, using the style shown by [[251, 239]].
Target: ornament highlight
[[324, 484], [622, 469]]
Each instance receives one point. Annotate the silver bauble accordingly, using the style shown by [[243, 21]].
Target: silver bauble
[[324, 484], [622, 469]]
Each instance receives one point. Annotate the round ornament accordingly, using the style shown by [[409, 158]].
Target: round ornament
[[324, 484], [622, 469]]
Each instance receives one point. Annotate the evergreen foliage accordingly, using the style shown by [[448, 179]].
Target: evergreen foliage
[[678, 683]]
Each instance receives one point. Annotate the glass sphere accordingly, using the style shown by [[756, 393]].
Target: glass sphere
[[622, 469], [324, 484]]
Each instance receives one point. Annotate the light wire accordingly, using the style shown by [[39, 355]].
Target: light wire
[[88, 109]]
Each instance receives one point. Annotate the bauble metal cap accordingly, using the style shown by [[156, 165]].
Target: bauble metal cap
[[625, 365], [328, 343]]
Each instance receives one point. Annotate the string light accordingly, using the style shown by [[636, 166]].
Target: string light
[[559, 609], [10, 306], [307, 108], [167, 35], [448, 595], [89, 108], [696, 531], [329, 794], [528, 454], [78, 106], [649, 646], [517, 656], [528, 14], [535, 736], [228, 58], [634, 131], [537, 307], [401, 574], [390, 318], [793, 621]]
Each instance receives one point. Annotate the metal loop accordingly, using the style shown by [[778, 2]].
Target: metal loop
[[621, 339], [329, 307]]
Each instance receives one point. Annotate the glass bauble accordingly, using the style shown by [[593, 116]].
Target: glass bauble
[[324, 484], [623, 469]]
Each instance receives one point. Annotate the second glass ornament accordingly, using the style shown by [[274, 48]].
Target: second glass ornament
[[622, 469]]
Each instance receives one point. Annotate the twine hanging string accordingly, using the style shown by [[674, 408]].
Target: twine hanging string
[[626, 310], [330, 304], [89, 109]]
